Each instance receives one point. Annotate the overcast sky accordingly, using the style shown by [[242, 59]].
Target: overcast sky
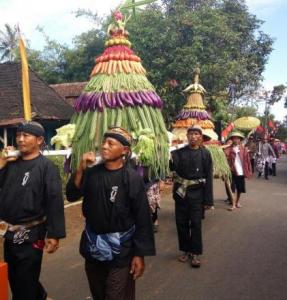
[[58, 21]]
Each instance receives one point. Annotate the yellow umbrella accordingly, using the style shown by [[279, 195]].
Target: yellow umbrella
[[246, 123]]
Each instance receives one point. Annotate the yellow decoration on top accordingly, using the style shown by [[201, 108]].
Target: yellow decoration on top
[[25, 81], [195, 87]]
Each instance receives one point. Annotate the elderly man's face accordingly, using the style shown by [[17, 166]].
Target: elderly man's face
[[194, 138], [112, 149]]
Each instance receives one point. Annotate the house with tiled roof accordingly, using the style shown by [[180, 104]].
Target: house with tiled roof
[[69, 91], [48, 107]]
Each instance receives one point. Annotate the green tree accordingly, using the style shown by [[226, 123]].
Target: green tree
[[81, 58], [277, 93], [269, 98], [58, 63], [282, 132], [49, 63], [221, 37], [8, 42]]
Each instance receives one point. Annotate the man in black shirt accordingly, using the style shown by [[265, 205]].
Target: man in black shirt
[[31, 211], [118, 232], [192, 191]]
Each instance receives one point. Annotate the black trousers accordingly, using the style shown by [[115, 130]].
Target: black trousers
[[273, 169], [266, 169], [109, 283], [188, 216], [252, 161], [154, 215], [24, 267]]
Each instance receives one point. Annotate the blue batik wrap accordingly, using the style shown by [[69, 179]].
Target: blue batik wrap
[[104, 247]]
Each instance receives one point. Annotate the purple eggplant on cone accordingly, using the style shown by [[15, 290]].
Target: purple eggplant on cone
[[136, 100], [113, 100], [106, 100], [118, 100], [94, 102], [126, 99], [100, 104], [146, 99], [85, 102]]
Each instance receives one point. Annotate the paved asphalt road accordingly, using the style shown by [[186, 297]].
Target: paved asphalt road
[[245, 255]]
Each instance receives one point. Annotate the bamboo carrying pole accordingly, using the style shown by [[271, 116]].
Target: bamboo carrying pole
[[5, 137], [3, 281]]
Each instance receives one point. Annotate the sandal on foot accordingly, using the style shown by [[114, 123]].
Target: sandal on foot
[[231, 208], [238, 205], [184, 257], [195, 261]]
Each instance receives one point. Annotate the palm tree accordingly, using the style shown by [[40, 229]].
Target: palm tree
[[8, 42]]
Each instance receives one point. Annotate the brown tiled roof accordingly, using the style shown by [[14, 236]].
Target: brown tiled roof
[[69, 90], [46, 103]]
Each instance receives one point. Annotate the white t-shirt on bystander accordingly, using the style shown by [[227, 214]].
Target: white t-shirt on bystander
[[238, 164]]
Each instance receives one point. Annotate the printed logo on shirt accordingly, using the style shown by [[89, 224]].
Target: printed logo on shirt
[[25, 178], [114, 193]]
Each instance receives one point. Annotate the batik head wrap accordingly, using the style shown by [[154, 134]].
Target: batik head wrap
[[32, 127], [119, 134]]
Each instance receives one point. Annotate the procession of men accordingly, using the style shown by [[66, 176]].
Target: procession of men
[[192, 192], [136, 161]]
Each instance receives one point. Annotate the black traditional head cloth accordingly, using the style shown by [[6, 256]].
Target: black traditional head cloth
[[120, 135], [31, 127]]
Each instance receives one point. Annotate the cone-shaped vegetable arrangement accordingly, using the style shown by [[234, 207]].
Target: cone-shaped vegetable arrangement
[[119, 94], [194, 113]]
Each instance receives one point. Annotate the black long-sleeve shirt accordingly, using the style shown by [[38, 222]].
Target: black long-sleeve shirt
[[30, 190], [114, 201], [194, 164]]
